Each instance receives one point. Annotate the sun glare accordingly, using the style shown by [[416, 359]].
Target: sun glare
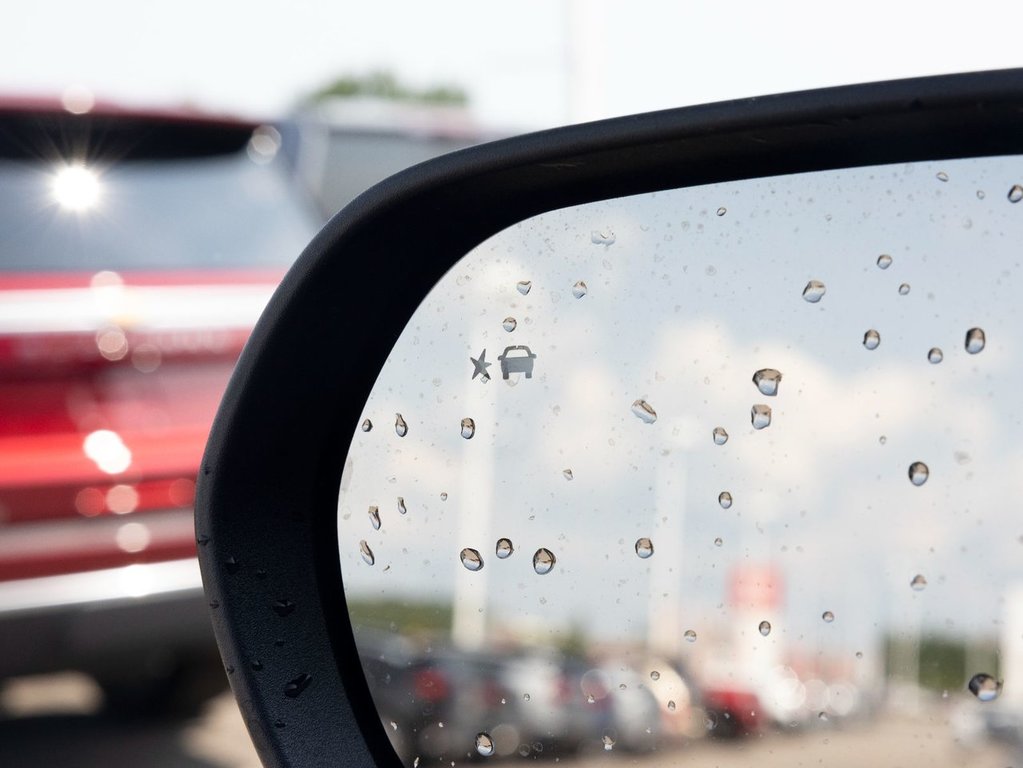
[[76, 188]]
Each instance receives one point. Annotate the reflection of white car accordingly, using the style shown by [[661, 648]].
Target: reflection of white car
[[517, 363]]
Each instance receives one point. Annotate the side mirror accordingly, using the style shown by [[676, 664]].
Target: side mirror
[[744, 423]]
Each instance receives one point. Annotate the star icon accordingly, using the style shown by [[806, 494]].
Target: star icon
[[480, 366]]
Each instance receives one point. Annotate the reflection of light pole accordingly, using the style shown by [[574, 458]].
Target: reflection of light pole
[[664, 619], [475, 499]]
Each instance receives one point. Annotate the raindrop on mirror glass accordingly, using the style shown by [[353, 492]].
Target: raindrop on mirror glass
[[443, 495], [883, 439], [609, 743], [367, 553], [602, 237], [975, 340], [941, 176], [655, 675], [400, 427], [828, 617], [720, 436], [523, 286], [644, 411], [935, 355], [671, 706], [721, 211], [919, 583], [985, 687], [484, 744], [1015, 193], [504, 548], [918, 473], [884, 261], [367, 425], [509, 324], [543, 561], [471, 559], [689, 635], [903, 289], [579, 289], [814, 291], [725, 499], [760, 416], [718, 541], [468, 428], [822, 716], [567, 474], [871, 339], [980, 194], [765, 628], [374, 517], [401, 505], [526, 697], [767, 381], [644, 547]]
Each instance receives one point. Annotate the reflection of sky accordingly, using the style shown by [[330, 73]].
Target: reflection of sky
[[681, 310]]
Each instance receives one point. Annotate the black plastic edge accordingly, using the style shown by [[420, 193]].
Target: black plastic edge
[[267, 494]]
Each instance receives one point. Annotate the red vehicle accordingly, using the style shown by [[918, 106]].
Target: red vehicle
[[136, 252]]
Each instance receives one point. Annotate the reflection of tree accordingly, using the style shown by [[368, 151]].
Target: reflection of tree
[[384, 85], [943, 661]]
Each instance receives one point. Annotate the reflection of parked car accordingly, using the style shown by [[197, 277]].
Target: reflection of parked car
[[522, 363], [136, 251]]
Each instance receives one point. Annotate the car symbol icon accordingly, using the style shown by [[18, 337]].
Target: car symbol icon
[[517, 363]]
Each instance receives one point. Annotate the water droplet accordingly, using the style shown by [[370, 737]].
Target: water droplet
[[935, 355], [504, 548], [257, 665], [590, 698], [725, 499], [524, 286], [985, 687], [975, 340], [374, 517], [720, 436], [903, 289], [671, 706], [526, 697], [644, 411], [609, 743], [765, 628], [400, 427], [468, 428], [471, 559], [231, 565], [721, 211], [602, 237], [814, 291], [579, 289], [871, 339], [767, 381], [919, 583], [567, 473], [760, 416], [644, 547], [202, 539], [543, 561], [980, 194], [367, 425], [822, 716], [941, 176], [918, 473], [1015, 193], [828, 617], [883, 439], [367, 553], [296, 686], [484, 744], [283, 608], [510, 324], [884, 261], [401, 505], [415, 763], [655, 675], [689, 635], [443, 495], [859, 654], [718, 541]]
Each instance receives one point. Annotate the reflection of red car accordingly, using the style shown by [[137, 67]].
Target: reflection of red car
[[136, 252], [521, 363]]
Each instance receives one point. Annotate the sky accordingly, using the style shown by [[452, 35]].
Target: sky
[[527, 64]]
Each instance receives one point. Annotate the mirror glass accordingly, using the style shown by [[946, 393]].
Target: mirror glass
[[726, 474]]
